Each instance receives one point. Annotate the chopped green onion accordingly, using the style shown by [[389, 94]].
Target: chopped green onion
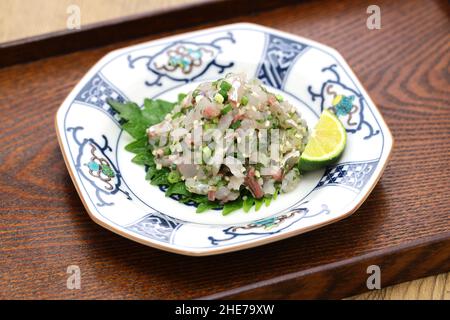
[[244, 100], [226, 109], [219, 98], [275, 123], [224, 94], [224, 85], [173, 177], [176, 115], [235, 125], [206, 152], [279, 97], [220, 183], [166, 151], [181, 96], [208, 126]]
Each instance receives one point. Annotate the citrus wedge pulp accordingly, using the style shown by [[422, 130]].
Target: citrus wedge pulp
[[326, 144]]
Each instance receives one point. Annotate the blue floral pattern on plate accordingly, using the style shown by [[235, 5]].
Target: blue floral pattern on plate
[[279, 57], [183, 61]]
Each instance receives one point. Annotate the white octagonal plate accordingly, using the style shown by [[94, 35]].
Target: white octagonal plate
[[310, 75]]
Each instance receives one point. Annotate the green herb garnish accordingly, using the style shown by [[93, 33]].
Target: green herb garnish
[[244, 100], [232, 206], [224, 94], [224, 85], [248, 203], [226, 109], [279, 97], [235, 125], [204, 206], [177, 188], [258, 204], [174, 177]]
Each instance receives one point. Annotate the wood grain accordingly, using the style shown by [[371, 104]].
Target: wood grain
[[312, 283], [405, 222]]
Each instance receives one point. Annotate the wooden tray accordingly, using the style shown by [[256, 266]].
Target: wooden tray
[[404, 225]]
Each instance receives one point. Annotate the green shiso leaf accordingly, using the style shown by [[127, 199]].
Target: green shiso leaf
[[144, 158], [129, 111], [138, 146], [160, 178], [248, 203], [154, 111], [181, 96], [207, 205], [232, 206], [267, 201], [177, 188], [150, 172], [137, 119], [258, 204], [135, 129]]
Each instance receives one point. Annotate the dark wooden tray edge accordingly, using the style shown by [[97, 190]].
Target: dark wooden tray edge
[[130, 27], [405, 262]]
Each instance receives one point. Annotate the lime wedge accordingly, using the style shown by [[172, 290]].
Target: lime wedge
[[326, 144]]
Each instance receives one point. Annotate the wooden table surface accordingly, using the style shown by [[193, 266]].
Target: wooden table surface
[[44, 227]]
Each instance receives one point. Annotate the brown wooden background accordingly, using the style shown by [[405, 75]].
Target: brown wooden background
[[404, 66]]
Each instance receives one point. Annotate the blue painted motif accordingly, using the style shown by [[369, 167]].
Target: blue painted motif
[[94, 166], [264, 227], [279, 56], [105, 183], [353, 175], [97, 91], [183, 61], [343, 105], [156, 226], [346, 102]]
